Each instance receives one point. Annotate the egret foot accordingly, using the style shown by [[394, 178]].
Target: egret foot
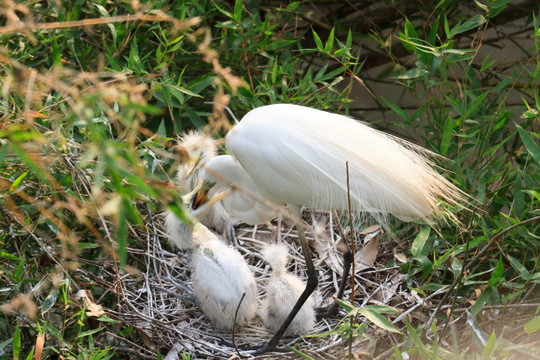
[[265, 348], [330, 311]]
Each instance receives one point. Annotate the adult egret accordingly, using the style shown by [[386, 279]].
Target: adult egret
[[198, 149], [282, 291], [220, 277], [297, 156], [243, 202]]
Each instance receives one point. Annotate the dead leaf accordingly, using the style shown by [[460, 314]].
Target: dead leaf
[[34, 114], [369, 230], [390, 287], [478, 292], [147, 339], [40, 341], [92, 309], [368, 254], [401, 257]]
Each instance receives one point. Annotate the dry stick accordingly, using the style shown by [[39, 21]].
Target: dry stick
[[474, 260], [351, 249], [98, 21], [351, 246]]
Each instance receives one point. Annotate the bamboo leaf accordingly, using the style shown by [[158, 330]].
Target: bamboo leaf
[[530, 145], [378, 319]]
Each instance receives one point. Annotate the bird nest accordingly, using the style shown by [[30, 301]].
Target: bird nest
[[158, 301]]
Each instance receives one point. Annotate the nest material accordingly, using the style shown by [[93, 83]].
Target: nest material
[[160, 304]]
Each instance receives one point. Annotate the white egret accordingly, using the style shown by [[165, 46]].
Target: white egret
[[198, 149], [220, 278], [297, 156], [282, 291], [243, 202]]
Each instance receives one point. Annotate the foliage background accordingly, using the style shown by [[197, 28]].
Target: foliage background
[[90, 108]]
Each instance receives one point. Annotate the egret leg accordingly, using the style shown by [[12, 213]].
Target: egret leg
[[311, 285]]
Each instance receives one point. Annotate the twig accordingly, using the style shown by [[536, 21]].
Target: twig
[[98, 21]]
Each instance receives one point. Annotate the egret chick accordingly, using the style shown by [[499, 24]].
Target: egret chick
[[282, 292], [199, 149], [220, 278]]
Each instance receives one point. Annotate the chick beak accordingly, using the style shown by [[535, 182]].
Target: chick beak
[[201, 196], [194, 164]]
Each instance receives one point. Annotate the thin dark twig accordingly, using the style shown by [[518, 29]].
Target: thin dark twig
[[351, 246], [352, 249]]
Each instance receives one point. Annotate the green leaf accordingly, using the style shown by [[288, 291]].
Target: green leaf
[[498, 6], [299, 353], [490, 347], [396, 109], [383, 309], [425, 263], [348, 42], [417, 247], [280, 44], [49, 301], [529, 143], [330, 42], [30, 355], [378, 320], [413, 74], [6, 255], [413, 334], [432, 37], [497, 274], [161, 131], [481, 301], [518, 266], [89, 332], [16, 343], [318, 41], [5, 343], [397, 354], [345, 305], [532, 325], [470, 24], [238, 10], [447, 135], [56, 56], [519, 196], [481, 6]]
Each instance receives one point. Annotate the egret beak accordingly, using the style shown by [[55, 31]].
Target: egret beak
[[194, 164], [201, 195]]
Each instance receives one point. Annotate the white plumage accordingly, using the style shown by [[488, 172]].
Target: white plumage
[[200, 149], [282, 292], [243, 201], [296, 155], [220, 277]]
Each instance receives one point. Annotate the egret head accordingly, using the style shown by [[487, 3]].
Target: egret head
[[194, 150], [200, 195]]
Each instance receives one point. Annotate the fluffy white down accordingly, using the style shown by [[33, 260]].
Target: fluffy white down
[[298, 155], [220, 277], [201, 149], [282, 292]]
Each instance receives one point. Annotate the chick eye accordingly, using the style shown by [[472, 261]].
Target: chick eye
[[187, 206]]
